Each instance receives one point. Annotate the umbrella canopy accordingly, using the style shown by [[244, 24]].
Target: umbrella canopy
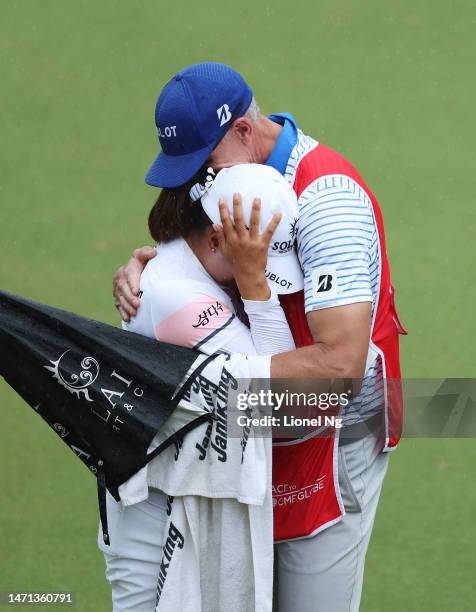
[[106, 392]]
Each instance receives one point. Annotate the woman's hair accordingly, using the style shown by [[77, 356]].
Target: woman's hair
[[174, 214]]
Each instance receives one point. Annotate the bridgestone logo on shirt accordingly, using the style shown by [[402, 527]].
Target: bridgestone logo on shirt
[[324, 283]]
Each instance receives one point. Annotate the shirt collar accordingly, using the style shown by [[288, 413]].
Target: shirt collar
[[285, 143]]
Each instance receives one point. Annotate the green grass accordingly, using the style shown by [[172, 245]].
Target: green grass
[[389, 84]]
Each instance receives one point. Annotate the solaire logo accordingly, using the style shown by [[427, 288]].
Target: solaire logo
[[324, 282], [224, 114]]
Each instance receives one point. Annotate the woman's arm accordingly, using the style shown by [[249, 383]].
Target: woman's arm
[[269, 328]]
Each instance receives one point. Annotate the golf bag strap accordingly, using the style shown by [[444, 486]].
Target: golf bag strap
[[101, 482]]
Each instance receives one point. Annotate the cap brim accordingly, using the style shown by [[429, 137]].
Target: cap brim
[[284, 273], [175, 170]]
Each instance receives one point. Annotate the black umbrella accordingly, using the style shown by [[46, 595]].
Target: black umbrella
[[106, 392]]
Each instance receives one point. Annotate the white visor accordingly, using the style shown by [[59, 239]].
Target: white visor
[[283, 270]]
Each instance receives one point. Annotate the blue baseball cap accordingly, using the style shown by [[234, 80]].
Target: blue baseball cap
[[193, 113]]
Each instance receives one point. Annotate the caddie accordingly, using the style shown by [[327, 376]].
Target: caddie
[[344, 322]]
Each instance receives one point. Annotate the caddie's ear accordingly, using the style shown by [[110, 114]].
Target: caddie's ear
[[243, 128]]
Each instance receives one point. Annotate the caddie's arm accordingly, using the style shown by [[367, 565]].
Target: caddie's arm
[[341, 343], [126, 282]]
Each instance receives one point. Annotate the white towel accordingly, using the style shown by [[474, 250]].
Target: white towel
[[218, 543]]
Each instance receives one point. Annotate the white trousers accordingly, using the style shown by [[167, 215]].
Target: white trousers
[[133, 558], [319, 574]]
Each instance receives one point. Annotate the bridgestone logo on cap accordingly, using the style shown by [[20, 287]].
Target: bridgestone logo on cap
[[224, 114]]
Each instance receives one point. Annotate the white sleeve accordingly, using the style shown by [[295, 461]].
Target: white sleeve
[[269, 332], [268, 326]]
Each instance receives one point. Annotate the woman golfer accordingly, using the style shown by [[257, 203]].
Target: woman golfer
[[190, 296]]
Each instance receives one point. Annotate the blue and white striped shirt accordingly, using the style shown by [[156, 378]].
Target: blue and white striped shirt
[[338, 248]]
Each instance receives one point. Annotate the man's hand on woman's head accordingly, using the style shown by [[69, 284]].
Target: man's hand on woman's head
[[126, 282], [246, 248]]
